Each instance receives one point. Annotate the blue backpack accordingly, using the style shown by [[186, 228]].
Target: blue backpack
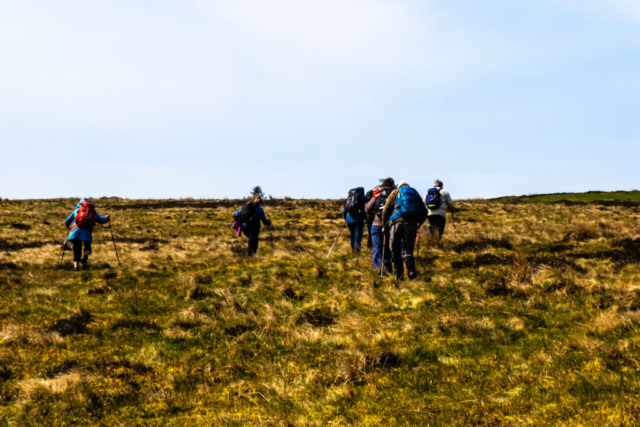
[[407, 205], [433, 198]]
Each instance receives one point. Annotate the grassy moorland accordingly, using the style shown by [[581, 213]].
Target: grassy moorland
[[598, 197], [529, 316]]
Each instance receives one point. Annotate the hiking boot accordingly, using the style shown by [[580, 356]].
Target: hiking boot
[[84, 259], [76, 269], [399, 272], [412, 275]]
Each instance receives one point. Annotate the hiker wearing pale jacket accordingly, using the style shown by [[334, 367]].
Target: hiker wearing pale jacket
[[403, 214], [439, 207], [81, 223], [247, 221], [380, 239]]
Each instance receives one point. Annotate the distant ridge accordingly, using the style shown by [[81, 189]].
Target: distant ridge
[[606, 198]]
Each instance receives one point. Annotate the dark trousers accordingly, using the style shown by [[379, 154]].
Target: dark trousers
[[370, 237], [77, 249], [436, 225], [356, 229], [253, 233], [403, 239], [380, 245]]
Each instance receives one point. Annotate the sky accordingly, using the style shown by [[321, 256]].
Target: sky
[[206, 99]]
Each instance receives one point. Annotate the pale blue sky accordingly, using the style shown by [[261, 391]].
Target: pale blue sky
[[309, 98]]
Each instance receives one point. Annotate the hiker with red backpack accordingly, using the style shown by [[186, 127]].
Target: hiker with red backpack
[[354, 214], [438, 202], [374, 208], [82, 221], [247, 221], [403, 214]]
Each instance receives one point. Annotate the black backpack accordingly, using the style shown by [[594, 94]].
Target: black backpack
[[354, 205], [381, 200], [247, 213]]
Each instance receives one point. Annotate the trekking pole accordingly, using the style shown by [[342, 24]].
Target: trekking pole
[[113, 239], [272, 248], [64, 245], [384, 245], [336, 241]]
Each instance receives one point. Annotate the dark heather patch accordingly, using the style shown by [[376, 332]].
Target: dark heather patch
[[559, 261], [99, 290], [108, 276], [236, 331], [384, 360], [497, 287], [317, 317], [19, 226], [290, 294], [8, 246], [618, 203], [75, 324], [628, 252], [481, 261], [8, 266], [150, 247], [197, 294], [478, 245]]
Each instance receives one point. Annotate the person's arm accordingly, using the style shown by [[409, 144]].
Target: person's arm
[[371, 204], [389, 207], [69, 220], [102, 219], [449, 202], [263, 217]]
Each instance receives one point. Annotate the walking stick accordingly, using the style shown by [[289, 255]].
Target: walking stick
[[336, 241], [113, 239], [272, 248], [64, 245]]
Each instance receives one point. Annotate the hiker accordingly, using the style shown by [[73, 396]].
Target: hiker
[[403, 213], [247, 221], [374, 209], [438, 202], [354, 214], [82, 221], [370, 217]]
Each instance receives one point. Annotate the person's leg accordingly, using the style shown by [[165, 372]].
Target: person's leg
[[352, 234], [77, 252], [358, 235], [387, 251], [370, 236], [377, 238], [397, 234], [433, 225], [442, 222], [87, 252], [408, 245]]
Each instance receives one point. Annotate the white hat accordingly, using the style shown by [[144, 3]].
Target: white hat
[[402, 183]]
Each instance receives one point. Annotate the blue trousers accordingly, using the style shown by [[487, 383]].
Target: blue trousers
[[356, 229], [378, 244]]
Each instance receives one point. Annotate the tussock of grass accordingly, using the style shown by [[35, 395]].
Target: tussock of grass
[[529, 316]]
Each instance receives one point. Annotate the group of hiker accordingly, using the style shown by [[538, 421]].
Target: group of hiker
[[393, 215]]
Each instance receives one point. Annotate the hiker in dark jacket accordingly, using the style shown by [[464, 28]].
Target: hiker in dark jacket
[[81, 232], [374, 209], [403, 228], [249, 222], [370, 218], [355, 222]]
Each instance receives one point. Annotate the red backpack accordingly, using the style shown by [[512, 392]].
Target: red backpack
[[86, 217]]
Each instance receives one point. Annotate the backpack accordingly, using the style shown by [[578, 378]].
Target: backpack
[[354, 205], [247, 213], [434, 201], [407, 205], [381, 201], [86, 218]]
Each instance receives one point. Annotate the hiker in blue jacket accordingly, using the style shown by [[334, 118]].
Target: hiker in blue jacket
[[248, 220], [82, 221], [354, 214]]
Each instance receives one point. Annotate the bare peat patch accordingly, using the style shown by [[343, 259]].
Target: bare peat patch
[[75, 324]]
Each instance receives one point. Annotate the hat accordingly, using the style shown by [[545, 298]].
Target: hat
[[403, 183], [83, 200]]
